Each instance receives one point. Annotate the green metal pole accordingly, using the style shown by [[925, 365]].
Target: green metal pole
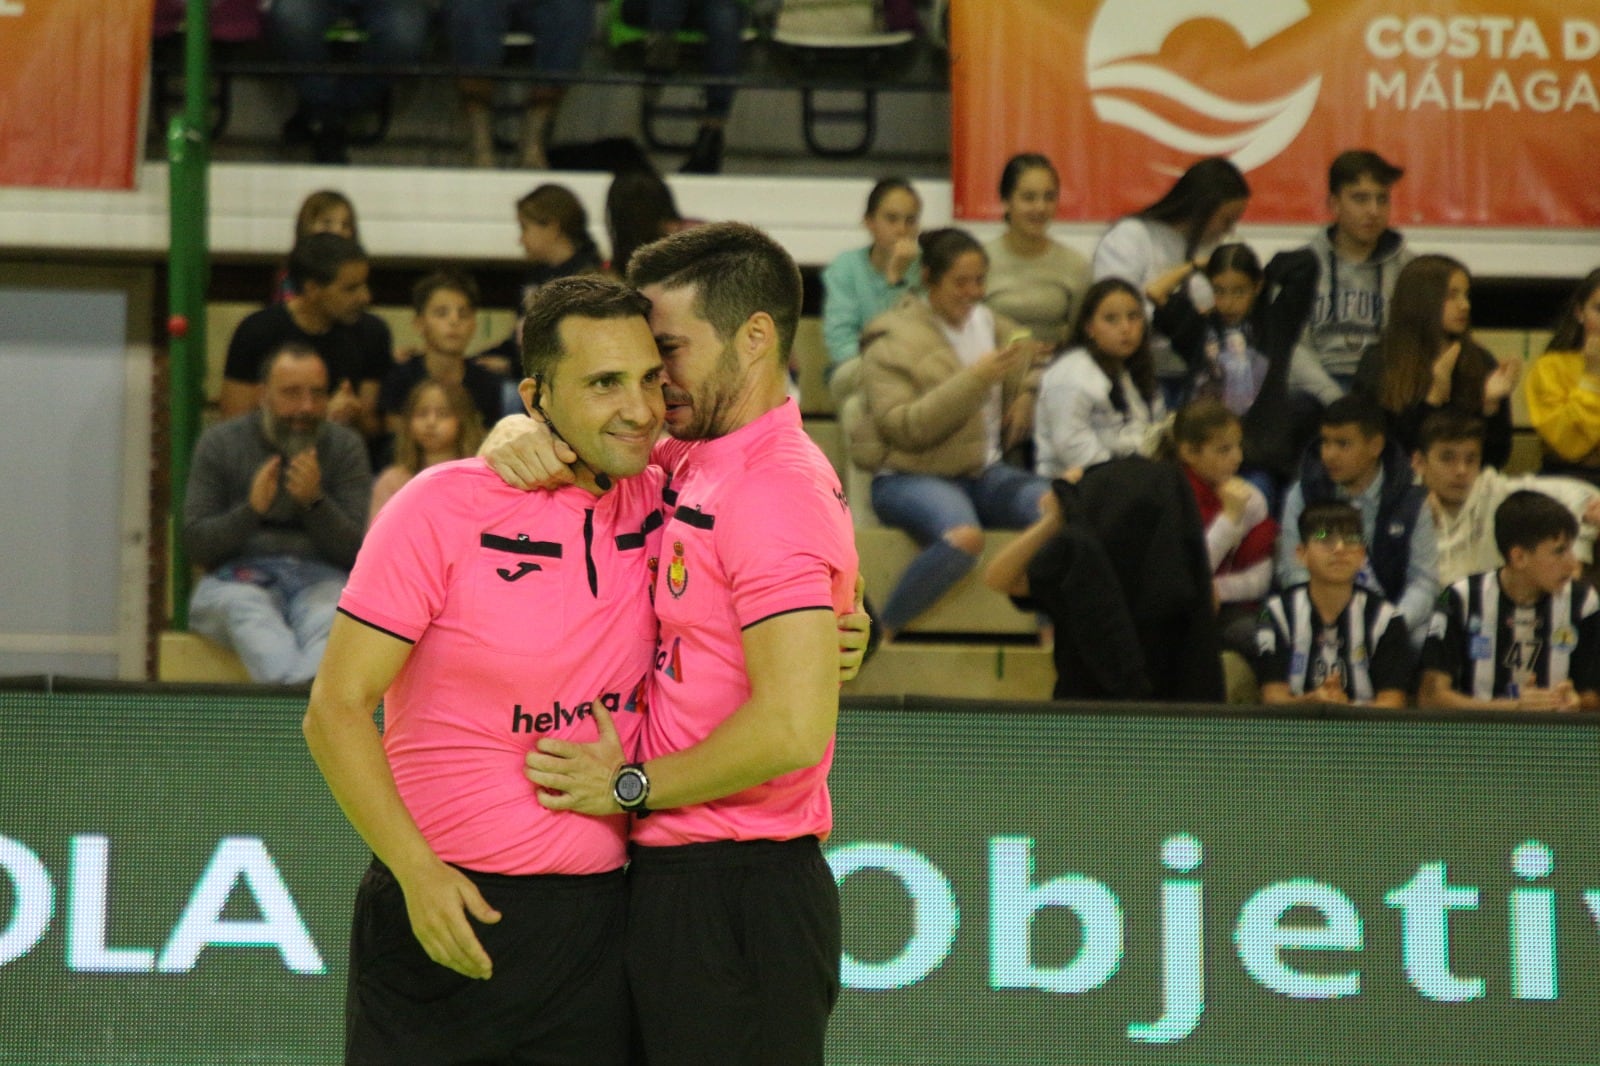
[[188, 275]]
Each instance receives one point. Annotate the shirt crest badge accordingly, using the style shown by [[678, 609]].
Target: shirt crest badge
[[677, 571]]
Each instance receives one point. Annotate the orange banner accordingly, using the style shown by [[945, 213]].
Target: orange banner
[[71, 90], [1491, 107]]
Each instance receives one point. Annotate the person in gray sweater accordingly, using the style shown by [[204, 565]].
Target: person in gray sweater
[[1356, 262], [274, 512]]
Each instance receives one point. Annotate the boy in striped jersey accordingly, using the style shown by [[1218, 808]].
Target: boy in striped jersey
[[1525, 636], [1330, 640]]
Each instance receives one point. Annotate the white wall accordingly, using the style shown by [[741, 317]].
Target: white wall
[[461, 214]]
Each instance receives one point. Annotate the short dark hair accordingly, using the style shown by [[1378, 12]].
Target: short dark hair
[[447, 280], [942, 247], [1526, 519], [583, 296], [1019, 165], [1351, 166], [320, 203], [291, 350], [1353, 409], [318, 257], [884, 187], [735, 270], [557, 203], [1141, 366], [1336, 516], [1235, 256], [1448, 426]]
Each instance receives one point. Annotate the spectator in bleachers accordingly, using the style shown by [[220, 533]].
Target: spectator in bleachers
[[1563, 387], [555, 236], [1033, 278], [324, 211], [1427, 360], [327, 313], [477, 29], [1239, 352], [1355, 461], [1206, 439], [1525, 636], [1354, 264], [1099, 400], [437, 423], [1330, 640], [861, 284], [554, 232], [639, 209], [722, 22], [1200, 209], [1463, 494], [396, 32], [276, 504], [446, 303], [945, 395]]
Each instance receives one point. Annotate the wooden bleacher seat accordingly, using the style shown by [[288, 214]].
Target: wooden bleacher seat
[[810, 359], [189, 657], [1504, 343], [1239, 679], [970, 608], [965, 671]]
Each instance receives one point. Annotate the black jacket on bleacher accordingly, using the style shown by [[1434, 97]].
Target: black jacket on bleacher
[[1127, 583]]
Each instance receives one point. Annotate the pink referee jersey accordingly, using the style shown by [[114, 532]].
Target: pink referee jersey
[[523, 608], [757, 526]]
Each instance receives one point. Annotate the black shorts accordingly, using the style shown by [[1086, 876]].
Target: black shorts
[[733, 952], [557, 996]]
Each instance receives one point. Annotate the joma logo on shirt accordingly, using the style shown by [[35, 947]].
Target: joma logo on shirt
[[557, 716]]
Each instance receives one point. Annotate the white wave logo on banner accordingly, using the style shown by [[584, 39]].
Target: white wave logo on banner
[[1260, 129]]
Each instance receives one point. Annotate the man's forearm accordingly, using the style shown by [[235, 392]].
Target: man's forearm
[[785, 725]]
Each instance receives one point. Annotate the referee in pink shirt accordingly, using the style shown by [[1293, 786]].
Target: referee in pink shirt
[[488, 928], [733, 929]]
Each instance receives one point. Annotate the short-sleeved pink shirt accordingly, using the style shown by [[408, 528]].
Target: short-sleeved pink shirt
[[757, 526], [523, 608]]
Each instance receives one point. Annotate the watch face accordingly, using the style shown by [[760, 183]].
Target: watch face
[[630, 786]]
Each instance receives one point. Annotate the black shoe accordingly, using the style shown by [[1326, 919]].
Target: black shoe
[[328, 143], [706, 155]]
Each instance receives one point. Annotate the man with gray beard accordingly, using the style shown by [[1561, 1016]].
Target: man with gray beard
[[276, 506]]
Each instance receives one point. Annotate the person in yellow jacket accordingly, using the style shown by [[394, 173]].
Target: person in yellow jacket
[[1563, 388]]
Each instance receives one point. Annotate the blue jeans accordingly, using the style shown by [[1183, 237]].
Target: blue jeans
[[723, 24], [397, 32], [928, 507], [561, 29], [273, 610]]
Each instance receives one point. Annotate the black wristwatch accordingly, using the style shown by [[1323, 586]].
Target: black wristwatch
[[631, 788]]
